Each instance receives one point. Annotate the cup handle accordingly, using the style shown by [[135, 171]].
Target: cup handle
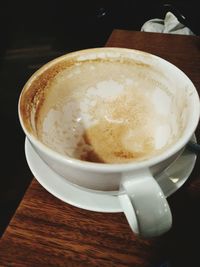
[[144, 204]]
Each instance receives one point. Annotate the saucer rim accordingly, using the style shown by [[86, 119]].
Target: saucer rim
[[100, 200]]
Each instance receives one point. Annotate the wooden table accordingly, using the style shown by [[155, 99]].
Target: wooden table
[[48, 232]]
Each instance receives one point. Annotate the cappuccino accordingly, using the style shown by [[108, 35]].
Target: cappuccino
[[106, 109], [110, 121]]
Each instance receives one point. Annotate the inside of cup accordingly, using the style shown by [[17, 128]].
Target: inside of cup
[[110, 106]]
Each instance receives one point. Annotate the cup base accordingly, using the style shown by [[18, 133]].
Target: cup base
[[170, 181]]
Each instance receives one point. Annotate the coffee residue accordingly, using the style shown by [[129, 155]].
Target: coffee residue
[[123, 132], [104, 115], [106, 144]]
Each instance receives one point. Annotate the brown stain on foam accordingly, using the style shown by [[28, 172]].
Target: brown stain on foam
[[106, 141], [33, 96], [109, 141]]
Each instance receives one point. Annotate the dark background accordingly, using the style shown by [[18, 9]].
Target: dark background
[[34, 32]]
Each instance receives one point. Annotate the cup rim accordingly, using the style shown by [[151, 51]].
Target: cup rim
[[112, 167]]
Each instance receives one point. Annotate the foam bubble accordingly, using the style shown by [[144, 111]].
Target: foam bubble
[[161, 101], [162, 136], [105, 89]]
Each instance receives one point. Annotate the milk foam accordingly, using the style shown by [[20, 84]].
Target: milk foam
[[107, 112]]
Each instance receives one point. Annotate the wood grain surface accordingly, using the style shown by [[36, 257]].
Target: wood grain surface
[[48, 232]]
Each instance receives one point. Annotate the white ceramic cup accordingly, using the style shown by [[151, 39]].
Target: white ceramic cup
[[170, 92]]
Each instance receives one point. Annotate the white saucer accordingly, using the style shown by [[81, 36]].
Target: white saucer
[[170, 180]]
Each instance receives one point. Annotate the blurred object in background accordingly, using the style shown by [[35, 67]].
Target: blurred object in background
[[170, 24], [187, 12]]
